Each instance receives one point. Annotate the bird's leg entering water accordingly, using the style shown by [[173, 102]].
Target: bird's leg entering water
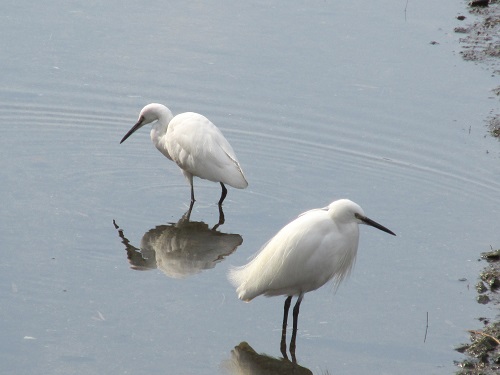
[[223, 194], [288, 301], [294, 331], [192, 194], [221, 218], [189, 177], [187, 215]]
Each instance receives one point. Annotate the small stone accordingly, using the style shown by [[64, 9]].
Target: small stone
[[483, 299], [478, 3]]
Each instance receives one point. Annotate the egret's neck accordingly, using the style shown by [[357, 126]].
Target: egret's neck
[[159, 129]]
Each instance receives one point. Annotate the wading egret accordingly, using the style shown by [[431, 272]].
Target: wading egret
[[195, 144], [318, 246]]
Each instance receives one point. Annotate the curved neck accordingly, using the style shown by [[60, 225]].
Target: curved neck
[[159, 129]]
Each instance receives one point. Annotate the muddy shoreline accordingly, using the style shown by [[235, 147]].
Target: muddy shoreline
[[483, 352], [481, 44]]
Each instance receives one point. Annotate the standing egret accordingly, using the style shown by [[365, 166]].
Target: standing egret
[[195, 144], [318, 246]]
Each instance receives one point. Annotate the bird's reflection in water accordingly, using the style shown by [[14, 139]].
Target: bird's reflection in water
[[180, 249], [245, 360]]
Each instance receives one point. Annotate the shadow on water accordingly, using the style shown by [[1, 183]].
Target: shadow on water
[[180, 249], [245, 360]]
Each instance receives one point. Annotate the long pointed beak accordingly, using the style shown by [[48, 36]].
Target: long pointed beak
[[137, 126], [374, 224]]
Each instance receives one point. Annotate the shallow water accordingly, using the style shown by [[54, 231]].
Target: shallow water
[[320, 101]]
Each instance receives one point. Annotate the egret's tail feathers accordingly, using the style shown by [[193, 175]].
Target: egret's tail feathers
[[238, 181], [237, 277], [234, 175]]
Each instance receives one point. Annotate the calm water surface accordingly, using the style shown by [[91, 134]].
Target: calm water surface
[[320, 100]]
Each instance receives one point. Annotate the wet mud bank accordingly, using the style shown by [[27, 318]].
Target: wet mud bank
[[483, 351], [481, 44]]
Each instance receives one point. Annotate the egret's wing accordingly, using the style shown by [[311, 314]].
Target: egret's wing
[[200, 148]]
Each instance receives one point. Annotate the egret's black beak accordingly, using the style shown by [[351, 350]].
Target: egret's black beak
[[137, 126], [374, 224]]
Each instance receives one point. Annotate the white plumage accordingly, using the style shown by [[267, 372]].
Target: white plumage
[[301, 257], [195, 144], [318, 246]]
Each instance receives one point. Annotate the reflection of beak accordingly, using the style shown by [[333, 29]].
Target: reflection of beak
[[372, 223], [137, 126]]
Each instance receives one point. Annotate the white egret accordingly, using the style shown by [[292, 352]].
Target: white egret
[[195, 144], [318, 246]]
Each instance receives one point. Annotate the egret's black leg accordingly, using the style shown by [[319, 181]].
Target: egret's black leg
[[296, 312], [294, 331], [187, 215], [221, 218], [286, 308], [223, 194], [192, 194]]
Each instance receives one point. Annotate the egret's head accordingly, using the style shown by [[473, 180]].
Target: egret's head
[[149, 114], [346, 210]]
